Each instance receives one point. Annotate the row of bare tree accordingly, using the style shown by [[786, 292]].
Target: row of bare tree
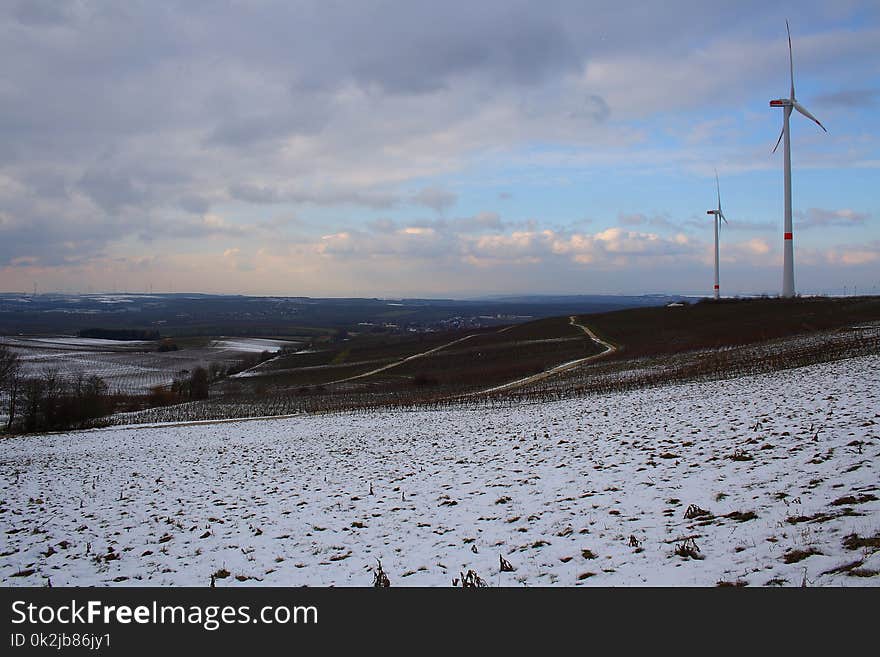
[[49, 402], [10, 370]]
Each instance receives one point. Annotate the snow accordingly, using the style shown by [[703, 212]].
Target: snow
[[587, 491], [132, 366], [64, 341], [252, 345]]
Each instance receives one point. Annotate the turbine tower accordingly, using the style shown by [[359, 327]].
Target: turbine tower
[[787, 104], [719, 217]]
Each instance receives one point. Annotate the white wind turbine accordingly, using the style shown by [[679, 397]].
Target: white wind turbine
[[719, 217], [788, 104]]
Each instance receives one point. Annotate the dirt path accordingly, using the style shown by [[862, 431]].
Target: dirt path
[[609, 349], [401, 362]]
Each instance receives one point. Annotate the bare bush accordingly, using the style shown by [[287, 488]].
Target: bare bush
[[380, 578]]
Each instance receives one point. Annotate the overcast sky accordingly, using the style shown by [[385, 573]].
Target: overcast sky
[[404, 148]]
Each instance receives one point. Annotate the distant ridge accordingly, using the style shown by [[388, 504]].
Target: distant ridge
[[602, 299]]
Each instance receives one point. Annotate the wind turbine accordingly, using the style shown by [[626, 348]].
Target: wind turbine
[[787, 104], [719, 217]]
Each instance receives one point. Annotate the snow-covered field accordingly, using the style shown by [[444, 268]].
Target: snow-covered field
[[132, 366], [782, 470], [251, 345]]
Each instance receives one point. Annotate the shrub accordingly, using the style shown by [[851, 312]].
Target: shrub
[[52, 404], [422, 380], [198, 383]]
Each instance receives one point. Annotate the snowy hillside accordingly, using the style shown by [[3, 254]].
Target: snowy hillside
[[781, 470], [130, 366]]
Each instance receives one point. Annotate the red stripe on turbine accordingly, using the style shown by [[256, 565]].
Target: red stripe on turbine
[[717, 287], [787, 236]]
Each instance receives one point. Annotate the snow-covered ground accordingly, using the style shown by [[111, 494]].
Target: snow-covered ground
[[130, 366], [252, 345], [63, 341], [591, 491]]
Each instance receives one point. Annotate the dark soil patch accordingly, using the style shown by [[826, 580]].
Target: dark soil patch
[[850, 499], [856, 542], [794, 556], [742, 516]]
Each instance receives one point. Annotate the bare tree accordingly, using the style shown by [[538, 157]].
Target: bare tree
[[9, 364], [10, 379], [199, 383]]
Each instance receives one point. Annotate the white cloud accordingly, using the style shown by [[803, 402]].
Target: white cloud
[[160, 126], [433, 197], [819, 217], [854, 255]]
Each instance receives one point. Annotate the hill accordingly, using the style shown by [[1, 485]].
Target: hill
[[712, 324], [656, 345]]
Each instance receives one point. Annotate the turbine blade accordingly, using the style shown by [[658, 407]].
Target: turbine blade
[[803, 110], [718, 189], [781, 132], [723, 218], [790, 59]]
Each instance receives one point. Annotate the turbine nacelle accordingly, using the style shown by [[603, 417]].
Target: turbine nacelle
[[717, 212], [718, 215]]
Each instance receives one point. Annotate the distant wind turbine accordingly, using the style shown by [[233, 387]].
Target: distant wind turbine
[[785, 136], [719, 217]]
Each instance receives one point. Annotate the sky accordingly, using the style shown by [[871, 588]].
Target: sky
[[406, 148]]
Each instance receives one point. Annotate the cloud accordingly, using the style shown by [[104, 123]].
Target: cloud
[[704, 222], [850, 98], [753, 247], [402, 243], [857, 257], [746, 225], [613, 248], [267, 194], [683, 76], [640, 219], [854, 255], [137, 126], [243, 131], [710, 129], [636, 219], [456, 243], [382, 225], [41, 13], [435, 198], [194, 203], [820, 218], [111, 190], [434, 47], [482, 221]]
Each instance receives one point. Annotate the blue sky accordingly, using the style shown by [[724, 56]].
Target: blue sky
[[410, 149]]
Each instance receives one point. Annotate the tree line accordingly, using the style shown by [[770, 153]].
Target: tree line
[[119, 334], [50, 402]]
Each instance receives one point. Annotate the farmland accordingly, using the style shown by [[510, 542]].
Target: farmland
[[131, 367], [702, 341], [362, 370], [719, 483], [673, 459], [178, 315]]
